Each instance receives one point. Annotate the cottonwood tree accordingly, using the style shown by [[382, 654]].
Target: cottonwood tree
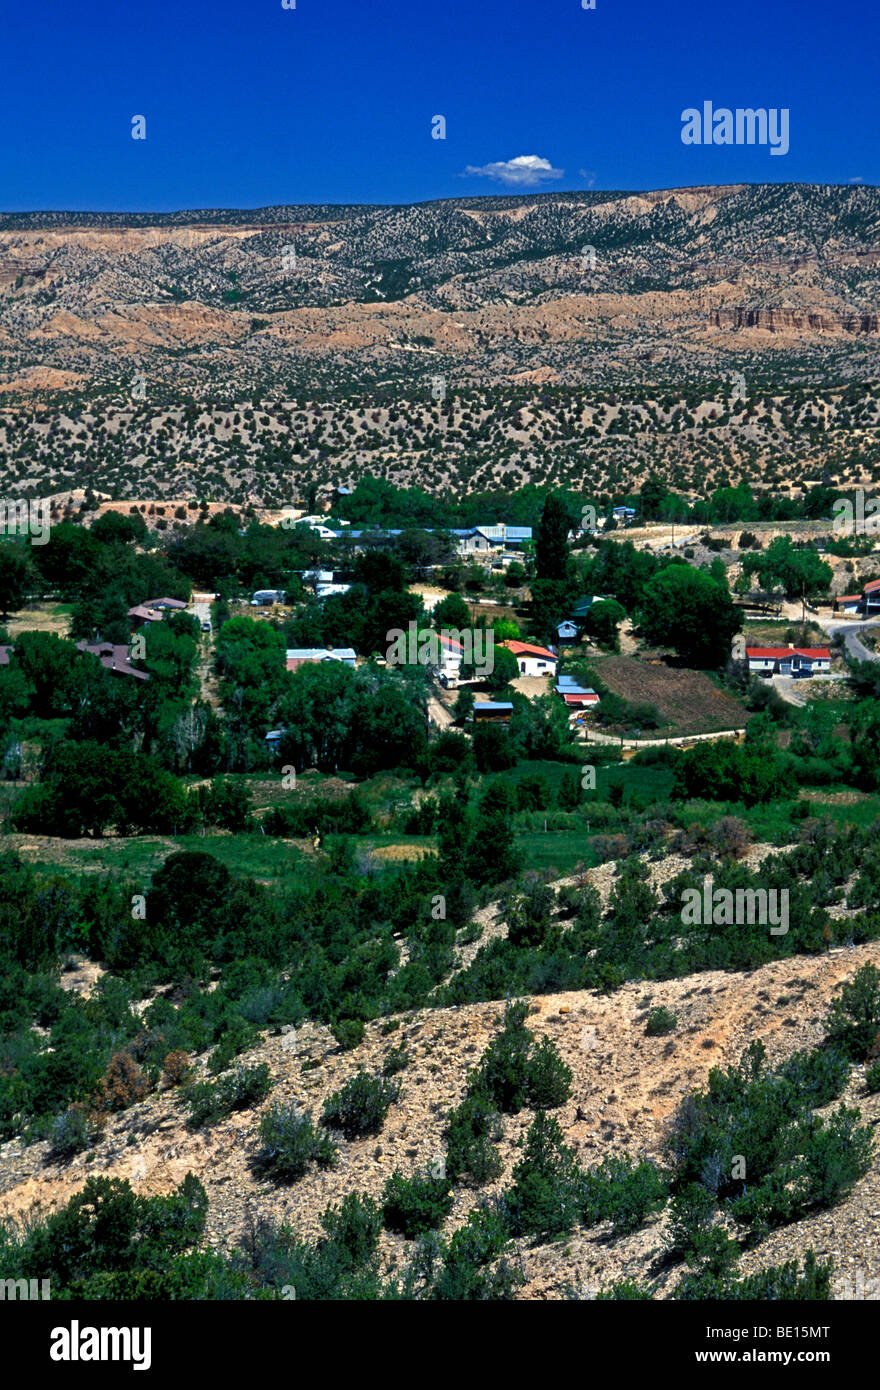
[[686, 609]]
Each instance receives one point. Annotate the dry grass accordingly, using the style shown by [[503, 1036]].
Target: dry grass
[[40, 617]]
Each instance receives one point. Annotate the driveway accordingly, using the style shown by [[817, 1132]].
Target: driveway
[[200, 607], [796, 692], [438, 714]]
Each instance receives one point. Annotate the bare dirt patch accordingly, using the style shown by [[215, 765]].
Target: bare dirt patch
[[39, 617], [688, 700]]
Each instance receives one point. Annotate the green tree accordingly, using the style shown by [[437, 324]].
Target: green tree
[[799, 572], [16, 578], [685, 609], [602, 622], [551, 541], [53, 669], [451, 612], [544, 1200], [652, 496], [116, 527], [853, 1022], [505, 669], [492, 855]]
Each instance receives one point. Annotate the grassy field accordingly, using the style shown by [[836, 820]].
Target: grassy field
[[258, 855], [278, 862], [561, 850], [773, 822], [41, 617], [649, 783], [844, 807]]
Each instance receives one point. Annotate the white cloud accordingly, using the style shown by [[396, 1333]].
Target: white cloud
[[856, 178], [525, 171]]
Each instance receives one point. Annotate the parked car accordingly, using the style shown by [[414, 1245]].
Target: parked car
[[206, 625]]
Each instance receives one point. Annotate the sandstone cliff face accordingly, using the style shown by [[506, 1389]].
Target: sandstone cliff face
[[802, 321], [340, 320], [459, 277]]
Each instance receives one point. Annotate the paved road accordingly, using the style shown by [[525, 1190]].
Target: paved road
[[796, 692], [851, 641]]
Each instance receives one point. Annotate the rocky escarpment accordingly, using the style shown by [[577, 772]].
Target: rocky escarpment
[[795, 320]]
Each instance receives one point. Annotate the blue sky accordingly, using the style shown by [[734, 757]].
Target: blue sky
[[249, 103]]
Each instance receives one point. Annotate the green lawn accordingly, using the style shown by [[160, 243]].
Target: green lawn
[[558, 849], [257, 855], [773, 822]]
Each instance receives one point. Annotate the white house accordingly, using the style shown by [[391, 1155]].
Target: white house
[[848, 603], [299, 656], [788, 661], [867, 602], [532, 660], [476, 540], [451, 655], [325, 590], [264, 597], [577, 698]]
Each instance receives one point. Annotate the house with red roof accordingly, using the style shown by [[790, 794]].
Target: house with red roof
[[788, 661], [114, 657], [871, 598], [531, 659], [848, 603], [867, 602]]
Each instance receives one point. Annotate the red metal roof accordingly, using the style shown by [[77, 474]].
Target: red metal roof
[[528, 649], [778, 652]]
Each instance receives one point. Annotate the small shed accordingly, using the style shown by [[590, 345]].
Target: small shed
[[493, 711]]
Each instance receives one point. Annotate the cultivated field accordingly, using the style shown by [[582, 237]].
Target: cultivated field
[[688, 700]]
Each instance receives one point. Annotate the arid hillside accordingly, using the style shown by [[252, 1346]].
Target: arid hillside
[[709, 332], [627, 1087]]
